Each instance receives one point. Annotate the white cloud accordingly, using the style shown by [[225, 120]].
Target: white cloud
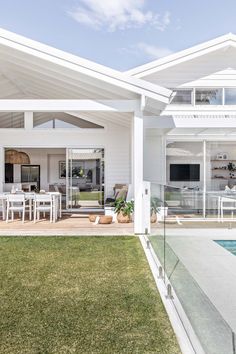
[[118, 14], [153, 52]]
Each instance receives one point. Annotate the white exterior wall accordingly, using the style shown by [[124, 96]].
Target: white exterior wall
[[154, 158], [115, 139]]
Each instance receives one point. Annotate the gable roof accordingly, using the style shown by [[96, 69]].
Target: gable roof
[[218, 44], [34, 69]]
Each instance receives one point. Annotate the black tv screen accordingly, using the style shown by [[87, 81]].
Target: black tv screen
[[185, 172]]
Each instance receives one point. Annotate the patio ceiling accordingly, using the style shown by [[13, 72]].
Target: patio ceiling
[[29, 69]]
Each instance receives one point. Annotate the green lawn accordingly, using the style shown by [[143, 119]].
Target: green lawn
[[89, 195], [79, 295]]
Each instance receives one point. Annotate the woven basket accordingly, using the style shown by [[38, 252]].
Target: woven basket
[[105, 219]]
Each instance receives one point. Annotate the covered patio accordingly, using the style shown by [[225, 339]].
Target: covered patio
[[56, 101]]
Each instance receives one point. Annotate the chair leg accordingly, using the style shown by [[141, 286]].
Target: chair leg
[[30, 209], [23, 216], [35, 215], [12, 215], [7, 214]]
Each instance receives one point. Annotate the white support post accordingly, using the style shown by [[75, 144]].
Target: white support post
[[28, 120], [204, 179], [137, 127], [2, 168]]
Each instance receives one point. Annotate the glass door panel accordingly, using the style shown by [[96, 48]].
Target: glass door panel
[[85, 179], [185, 178]]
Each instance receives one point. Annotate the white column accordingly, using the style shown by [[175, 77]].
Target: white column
[[137, 127], [28, 120], [2, 168], [204, 179]]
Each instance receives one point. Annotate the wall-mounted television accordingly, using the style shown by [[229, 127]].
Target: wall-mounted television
[[185, 172]]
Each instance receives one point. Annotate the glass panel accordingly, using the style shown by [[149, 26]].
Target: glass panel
[[208, 96], [183, 255], [184, 171], [220, 178], [230, 96], [85, 186], [58, 120], [11, 120], [182, 97]]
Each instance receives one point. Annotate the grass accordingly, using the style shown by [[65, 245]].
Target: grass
[[68, 295], [91, 196]]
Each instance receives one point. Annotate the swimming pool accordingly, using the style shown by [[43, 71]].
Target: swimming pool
[[229, 245]]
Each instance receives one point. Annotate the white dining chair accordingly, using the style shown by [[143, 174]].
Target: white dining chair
[[43, 203], [3, 208], [15, 203], [227, 204], [29, 198]]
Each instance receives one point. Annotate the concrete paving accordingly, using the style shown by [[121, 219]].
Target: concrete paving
[[211, 265]]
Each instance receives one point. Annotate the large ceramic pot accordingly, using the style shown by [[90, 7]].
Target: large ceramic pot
[[123, 219], [153, 218]]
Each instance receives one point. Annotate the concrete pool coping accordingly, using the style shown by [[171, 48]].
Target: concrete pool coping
[[212, 266]]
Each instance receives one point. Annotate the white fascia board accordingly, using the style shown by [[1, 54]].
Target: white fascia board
[[183, 56], [203, 122], [86, 67], [199, 110], [189, 122], [57, 105]]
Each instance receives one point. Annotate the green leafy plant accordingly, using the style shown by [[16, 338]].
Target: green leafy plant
[[156, 203], [124, 207]]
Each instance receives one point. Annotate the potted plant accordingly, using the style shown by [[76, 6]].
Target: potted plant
[[124, 210], [156, 204]]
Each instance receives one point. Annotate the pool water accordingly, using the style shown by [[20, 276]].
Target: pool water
[[229, 245]]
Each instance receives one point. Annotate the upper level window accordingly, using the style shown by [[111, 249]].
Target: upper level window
[[182, 97], [208, 96], [230, 96]]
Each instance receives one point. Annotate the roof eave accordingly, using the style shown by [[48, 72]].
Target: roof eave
[[78, 64], [184, 55]]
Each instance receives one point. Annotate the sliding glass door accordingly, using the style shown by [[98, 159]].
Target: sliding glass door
[[85, 179]]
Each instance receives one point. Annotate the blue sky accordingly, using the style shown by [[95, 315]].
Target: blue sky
[[119, 33]]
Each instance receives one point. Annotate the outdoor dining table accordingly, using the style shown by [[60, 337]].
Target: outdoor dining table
[[29, 196]]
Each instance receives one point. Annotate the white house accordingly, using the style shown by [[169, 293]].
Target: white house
[[65, 120], [192, 142]]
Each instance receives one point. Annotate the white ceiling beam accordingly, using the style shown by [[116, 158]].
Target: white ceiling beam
[[56, 105]]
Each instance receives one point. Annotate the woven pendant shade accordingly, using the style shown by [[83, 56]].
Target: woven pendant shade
[[16, 157]]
